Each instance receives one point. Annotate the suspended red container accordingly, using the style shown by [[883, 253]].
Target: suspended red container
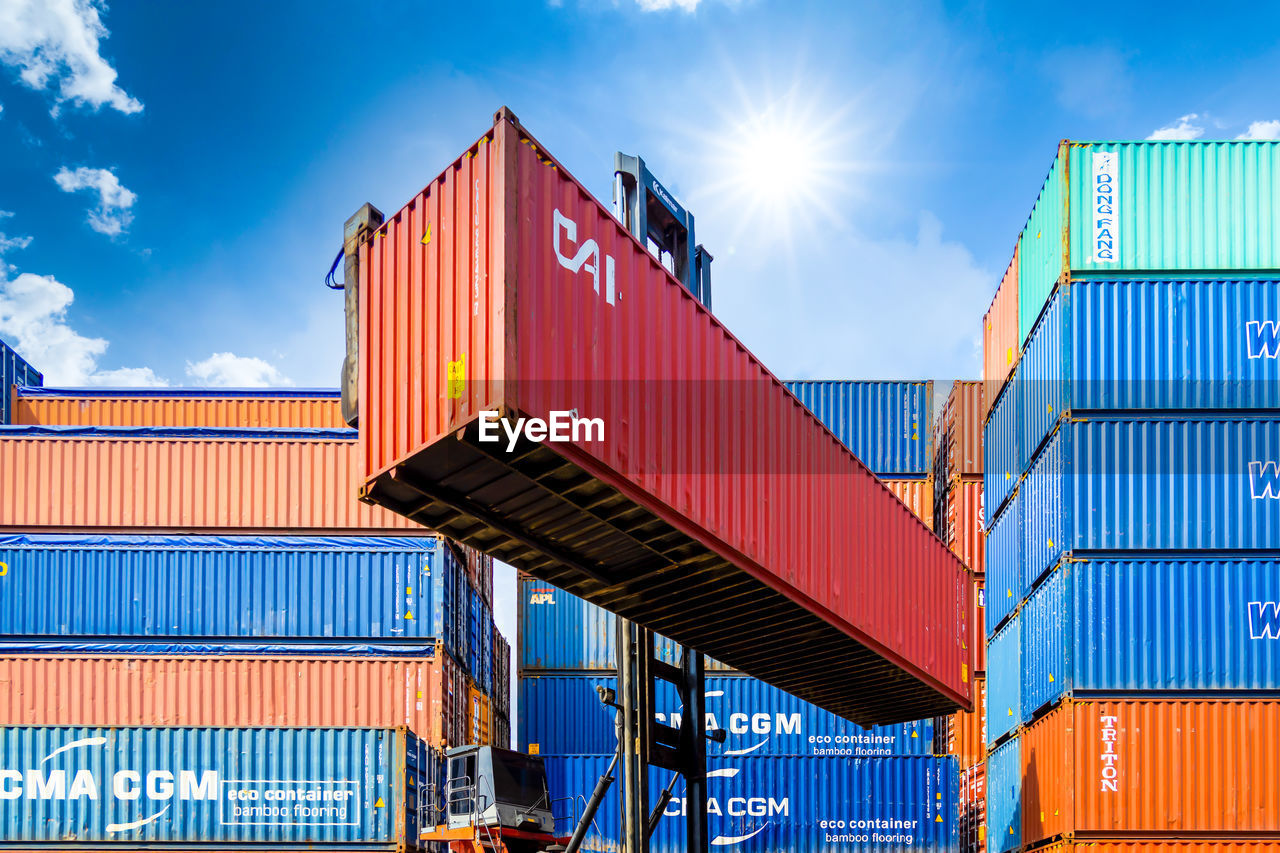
[[710, 505]]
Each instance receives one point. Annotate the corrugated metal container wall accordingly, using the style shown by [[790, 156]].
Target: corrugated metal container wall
[[427, 304], [501, 674], [1172, 845], [1002, 444], [978, 626], [14, 371], [973, 809], [967, 730], [1199, 622], [1041, 250], [888, 425], [479, 717], [176, 479], [1004, 564], [797, 804], [1178, 206], [209, 782], [1004, 797], [965, 525], [559, 631], [1004, 687], [562, 715], [1173, 767], [1000, 341], [966, 408], [260, 408], [1155, 484], [187, 590], [1107, 345], [249, 691], [917, 495]]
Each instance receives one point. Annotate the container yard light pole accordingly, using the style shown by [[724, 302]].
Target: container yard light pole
[[662, 225]]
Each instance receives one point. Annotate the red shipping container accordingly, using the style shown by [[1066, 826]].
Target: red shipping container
[[973, 809], [1000, 342], [714, 508], [963, 532], [1125, 767], [276, 409], [966, 410], [429, 695], [176, 481], [967, 730]]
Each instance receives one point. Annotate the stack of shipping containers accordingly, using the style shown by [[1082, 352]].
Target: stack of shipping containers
[[1133, 503], [957, 466], [789, 776], [191, 589]]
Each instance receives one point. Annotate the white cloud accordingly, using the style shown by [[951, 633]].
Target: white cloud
[[663, 5], [33, 317], [112, 215], [1262, 130], [227, 370], [1183, 128], [55, 42]]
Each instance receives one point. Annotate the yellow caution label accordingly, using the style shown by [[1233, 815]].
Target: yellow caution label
[[1050, 405], [1010, 712], [379, 804], [426, 238], [964, 673], [939, 796], [982, 833], [408, 590], [1008, 356], [1050, 543], [408, 615], [4, 569], [1007, 475], [419, 694], [456, 374], [915, 733], [938, 819], [1051, 678], [534, 749], [1009, 593]]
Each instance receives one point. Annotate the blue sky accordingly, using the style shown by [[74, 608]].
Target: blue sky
[[177, 175], [237, 137]]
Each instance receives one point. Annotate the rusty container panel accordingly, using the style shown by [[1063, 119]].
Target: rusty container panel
[[249, 692], [256, 408], [713, 508], [967, 730], [960, 442], [917, 495], [1108, 768], [1000, 341], [973, 809], [179, 479], [963, 533]]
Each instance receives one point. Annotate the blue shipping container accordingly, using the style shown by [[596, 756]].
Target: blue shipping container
[[764, 804], [1004, 680], [561, 632], [1160, 484], [888, 425], [13, 371], [192, 590], [1002, 457], [132, 786], [1156, 345], [1004, 587], [562, 715], [1161, 625], [1004, 797]]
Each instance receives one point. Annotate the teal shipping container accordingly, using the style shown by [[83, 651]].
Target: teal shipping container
[[1150, 207], [1004, 680], [334, 788]]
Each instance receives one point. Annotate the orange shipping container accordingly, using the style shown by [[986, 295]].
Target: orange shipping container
[[967, 731], [480, 717], [917, 495], [1108, 768], [1000, 342], [172, 480], [973, 809], [426, 695], [286, 408], [963, 533], [1164, 846]]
